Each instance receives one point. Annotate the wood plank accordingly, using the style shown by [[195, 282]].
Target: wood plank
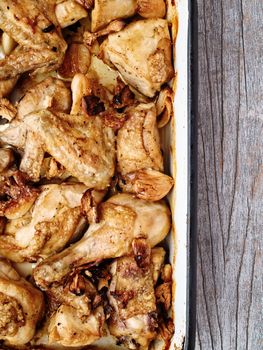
[[230, 175]]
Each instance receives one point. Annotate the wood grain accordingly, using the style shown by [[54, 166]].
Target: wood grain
[[230, 175]]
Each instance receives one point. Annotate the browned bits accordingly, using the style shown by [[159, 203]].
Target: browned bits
[[167, 330], [92, 105], [114, 120], [163, 295], [19, 196], [142, 252], [123, 297], [89, 207], [123, 96], [77, 286]]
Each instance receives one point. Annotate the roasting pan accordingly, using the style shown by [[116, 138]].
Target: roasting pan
[[175, 138]]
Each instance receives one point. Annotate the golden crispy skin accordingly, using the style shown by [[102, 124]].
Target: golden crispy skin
[[84, 146], [106, 11], [138, 144], [132, 296], [123, 218], [33, 26], [141, 52], [21, 306], [70, 327], [50, 93], [55, 218]]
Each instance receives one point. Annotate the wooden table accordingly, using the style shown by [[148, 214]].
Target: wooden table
[[230, 175]]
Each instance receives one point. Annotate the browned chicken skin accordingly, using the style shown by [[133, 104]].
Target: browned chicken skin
[[54, 219], [33, 26], [131, 293], [123, 218], [83, 106], [21, 306]]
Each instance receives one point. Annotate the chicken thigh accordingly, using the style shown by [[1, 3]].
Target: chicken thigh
[[34, 27], [131, 294], [77, 320], [54, 219], [123, 219], [141, 52], [21, 306]]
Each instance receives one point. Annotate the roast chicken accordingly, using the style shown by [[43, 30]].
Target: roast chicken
[[84, 90], [131, 294], [106, 11], [33, 25], [123, 219], [85, 147], [141, 52], [77, 319], [21, 306], [53, 220], [140, 161]]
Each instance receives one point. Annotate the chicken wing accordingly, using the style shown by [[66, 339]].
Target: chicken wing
[[131, 294], [34, 27], [54, 219], [21, 306], [123, 218], [141, 52], [84, 146]]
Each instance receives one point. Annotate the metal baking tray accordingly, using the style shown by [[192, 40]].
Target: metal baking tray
[[175, 138], [177, 153]]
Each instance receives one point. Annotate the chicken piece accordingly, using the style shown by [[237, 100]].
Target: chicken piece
[[7, 110], [6, 86], [113, 27], [88, 96], [142, 54], [18, 197], [50, 94], [69, 12], [51, 169], [106, 11], [33, 26], [123, 218], [76, 320], [131, 294], [6, 158], [21, 306], [139, 155], [138, 144], [78, 293], [84, 146], [54, 220], [69, 327]]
